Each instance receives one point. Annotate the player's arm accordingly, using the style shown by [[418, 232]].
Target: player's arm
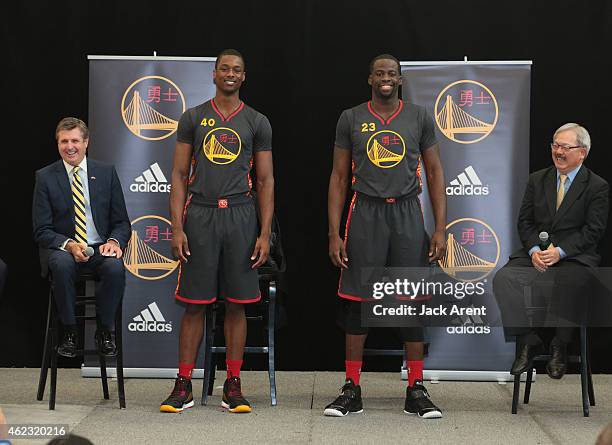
[[265, 202], [178, 196], [336, 196], [435, 185]]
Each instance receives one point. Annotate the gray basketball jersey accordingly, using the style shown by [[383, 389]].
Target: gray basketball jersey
[[223, 148], [386, 153]]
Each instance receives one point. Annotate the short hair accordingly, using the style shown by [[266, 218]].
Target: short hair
[[582, 135], [70, 123], [385, 57], [229, 52]]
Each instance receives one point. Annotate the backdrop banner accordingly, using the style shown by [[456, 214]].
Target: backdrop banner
[[481, 114], [134, 108]]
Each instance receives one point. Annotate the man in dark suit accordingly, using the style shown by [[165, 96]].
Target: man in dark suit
[[78, 202], [570, 203]]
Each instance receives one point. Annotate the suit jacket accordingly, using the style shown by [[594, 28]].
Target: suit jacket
[[53, 208], [577, 226]]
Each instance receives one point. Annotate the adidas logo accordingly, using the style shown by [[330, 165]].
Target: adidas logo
[[152, 180], [469, 324], [150, 320], [467, 183]]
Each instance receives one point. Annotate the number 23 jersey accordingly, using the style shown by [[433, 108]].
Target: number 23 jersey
[[386, 153]]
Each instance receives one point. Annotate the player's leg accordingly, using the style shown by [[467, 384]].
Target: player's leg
[[409, 249], [197, 287], [239, 286], [366, 240]]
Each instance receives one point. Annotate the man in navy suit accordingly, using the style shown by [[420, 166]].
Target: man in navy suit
[[570, 203], [64, 228]]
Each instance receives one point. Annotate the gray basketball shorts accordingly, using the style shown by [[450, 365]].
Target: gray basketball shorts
[[221, 235], [380, 233]]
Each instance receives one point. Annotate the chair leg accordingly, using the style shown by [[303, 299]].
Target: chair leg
[[103, 376], [209, 321], [528, 386], [119, 362], [590, 382], [271, 333], [54, 342], [47, 351], [515, 393], [584, 372]]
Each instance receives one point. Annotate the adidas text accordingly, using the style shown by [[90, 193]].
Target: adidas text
[[150, 187], [150, 326], [468, 329], [467, 190]]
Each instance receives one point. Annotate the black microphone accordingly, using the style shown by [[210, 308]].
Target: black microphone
[[544, 241], [89, 251]]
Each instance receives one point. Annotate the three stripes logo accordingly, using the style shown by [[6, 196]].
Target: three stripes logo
[[152, 180], [469, 324], [150, 320], [467, 183]]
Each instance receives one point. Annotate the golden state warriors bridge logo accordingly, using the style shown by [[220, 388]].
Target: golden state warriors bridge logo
[[386, 148], [151, 107], [148, 253], [466, 111], [222, 145], [472, 250]]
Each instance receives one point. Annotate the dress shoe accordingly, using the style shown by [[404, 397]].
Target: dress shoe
[[557, 365], [524, 358], [68, 346], [106, 343]]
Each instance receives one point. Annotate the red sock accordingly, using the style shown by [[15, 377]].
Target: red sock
[[185, 370], [353, 370], [233, 368], [415, 371]]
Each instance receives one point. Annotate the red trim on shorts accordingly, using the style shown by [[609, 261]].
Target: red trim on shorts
[[353, 297], [393, 116], [226, 119], [253, 300], [188, 300], [346, 230]]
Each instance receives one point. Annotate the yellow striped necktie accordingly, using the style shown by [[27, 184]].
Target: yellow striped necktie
[[561, 191], [78, 197]]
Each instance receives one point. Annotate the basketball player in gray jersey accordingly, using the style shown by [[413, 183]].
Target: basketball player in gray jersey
[[216, 234], [384, 141]]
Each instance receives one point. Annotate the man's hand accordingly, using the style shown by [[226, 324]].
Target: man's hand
[[437, 246], [337, 252], [76, 250], [538, 263], [180, 247], [261, 251], [550, 256], [111, 248]]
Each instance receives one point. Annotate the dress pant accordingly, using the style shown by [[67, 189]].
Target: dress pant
[[64, 270], [518, 283]]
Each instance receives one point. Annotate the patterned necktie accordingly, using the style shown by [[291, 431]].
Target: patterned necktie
[[78, 197], [561, 191]]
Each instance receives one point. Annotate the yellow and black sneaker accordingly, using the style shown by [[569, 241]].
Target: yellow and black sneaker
[[180, 398], [233, 400]]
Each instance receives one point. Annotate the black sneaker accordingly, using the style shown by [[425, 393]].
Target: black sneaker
[[349, 401], [419, 403], [180, 398], [232, 399]]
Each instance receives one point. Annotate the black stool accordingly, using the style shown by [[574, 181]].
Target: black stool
[[84, 300], [267, 285], [586, 379]]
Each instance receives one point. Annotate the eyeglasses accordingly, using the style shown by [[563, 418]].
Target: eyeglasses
[[563, 148]]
